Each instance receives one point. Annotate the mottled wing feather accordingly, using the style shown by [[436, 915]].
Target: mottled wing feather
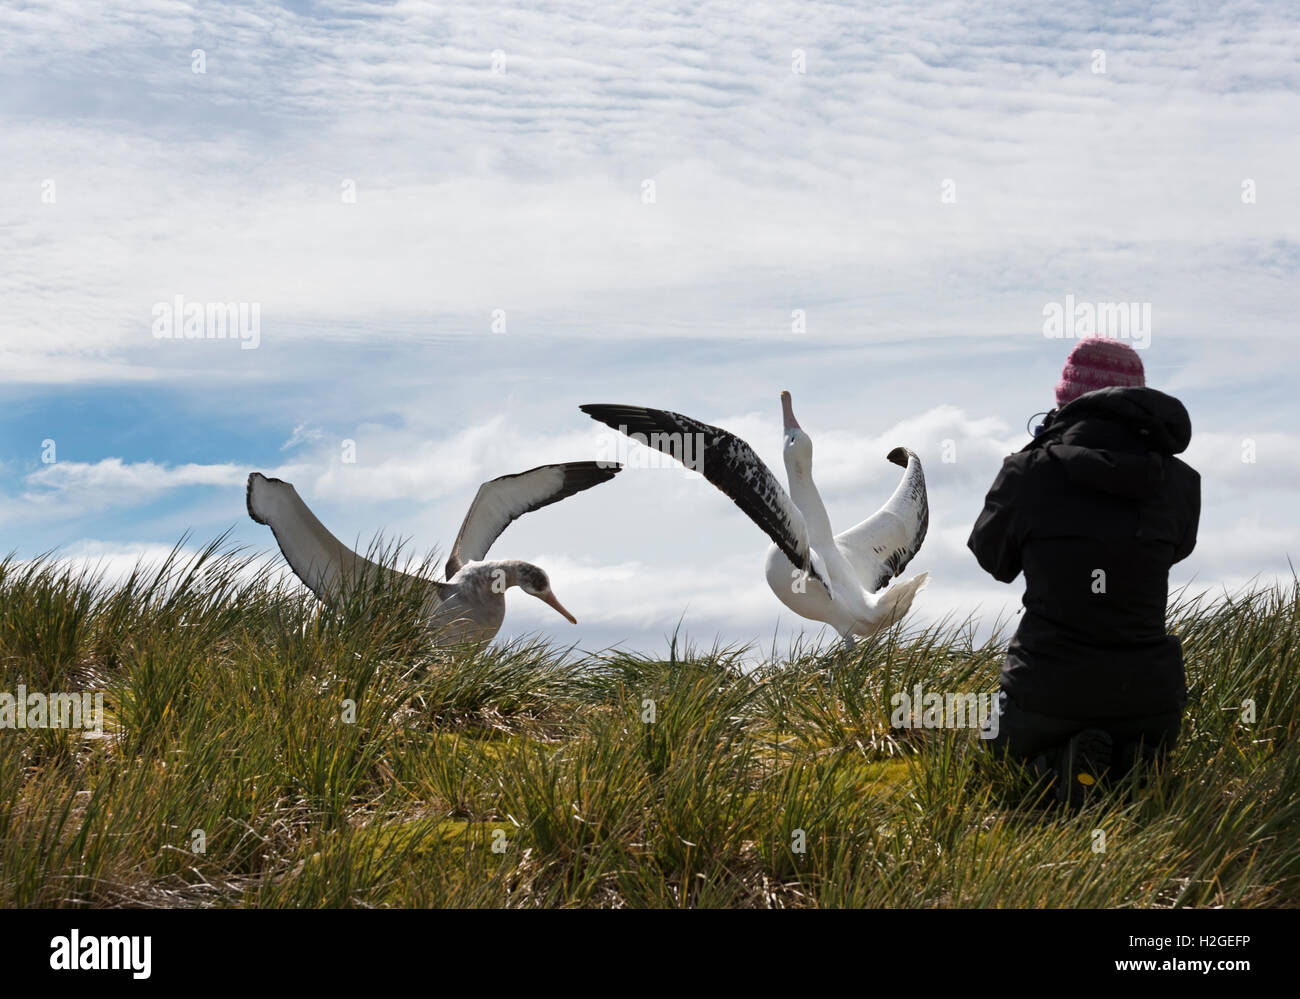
[[726, 461], [503, 500], [880, 547]]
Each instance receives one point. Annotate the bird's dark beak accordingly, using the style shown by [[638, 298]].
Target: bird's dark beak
[[787, 411], [549, 598]]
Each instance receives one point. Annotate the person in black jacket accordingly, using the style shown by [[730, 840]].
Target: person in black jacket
[[1094, 510]]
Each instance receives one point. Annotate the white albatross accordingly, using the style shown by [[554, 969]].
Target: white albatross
[[818, 575], [471, 604]]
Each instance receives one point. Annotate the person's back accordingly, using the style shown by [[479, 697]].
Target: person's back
[[1094, 510]]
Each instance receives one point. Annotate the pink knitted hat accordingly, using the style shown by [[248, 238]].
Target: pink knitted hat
[[1098, 362]]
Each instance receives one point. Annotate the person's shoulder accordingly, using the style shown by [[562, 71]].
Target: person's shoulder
[[1024, 468], [1015, 464], [1032, 456]]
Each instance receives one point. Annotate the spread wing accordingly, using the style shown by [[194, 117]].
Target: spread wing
[[726, 461], [316, 556], [501, 501], [880, 547]]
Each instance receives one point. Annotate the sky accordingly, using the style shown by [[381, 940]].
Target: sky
[[456, 223]]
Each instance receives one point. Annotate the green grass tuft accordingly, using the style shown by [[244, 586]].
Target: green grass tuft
[[327, 758]]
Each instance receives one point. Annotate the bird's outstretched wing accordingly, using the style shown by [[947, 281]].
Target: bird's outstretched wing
[[726, 461], [880, 547], [503, 500], [320, 560]]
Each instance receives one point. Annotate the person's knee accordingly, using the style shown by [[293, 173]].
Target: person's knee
[[1147, 744], [1023, 735]]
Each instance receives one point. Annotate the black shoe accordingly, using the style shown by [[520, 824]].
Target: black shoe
[[1082, 765]]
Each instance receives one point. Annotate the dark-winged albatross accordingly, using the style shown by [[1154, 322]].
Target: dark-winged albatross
[[818, 575], [470, 605]]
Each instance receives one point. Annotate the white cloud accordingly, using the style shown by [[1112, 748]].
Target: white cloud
[[113, 475], [1246, 463], [522, 192], [302, 433], [66, 490]]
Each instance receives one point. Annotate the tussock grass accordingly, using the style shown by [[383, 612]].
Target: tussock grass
[[332, 758]]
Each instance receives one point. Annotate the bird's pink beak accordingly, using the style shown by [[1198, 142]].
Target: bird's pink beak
[[549, 598], [787, 411]]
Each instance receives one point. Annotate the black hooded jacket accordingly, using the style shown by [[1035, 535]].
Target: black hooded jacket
[[1095, 510]]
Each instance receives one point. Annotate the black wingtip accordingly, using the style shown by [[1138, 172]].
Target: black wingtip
[[899, 456], [606, 410], [248, 492], [248, 496], [601, 412], [592, 471]]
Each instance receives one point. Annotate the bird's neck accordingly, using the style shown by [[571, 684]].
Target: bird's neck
[[497, 574], [803, 491]]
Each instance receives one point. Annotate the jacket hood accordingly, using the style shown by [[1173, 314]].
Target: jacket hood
[[1158, 422], [1116, 440]]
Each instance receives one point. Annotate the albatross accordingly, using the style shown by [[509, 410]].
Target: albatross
[[470, 605], [819, 575]]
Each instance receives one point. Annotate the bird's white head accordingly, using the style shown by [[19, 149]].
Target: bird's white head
[[535, 582], [796, 445]]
